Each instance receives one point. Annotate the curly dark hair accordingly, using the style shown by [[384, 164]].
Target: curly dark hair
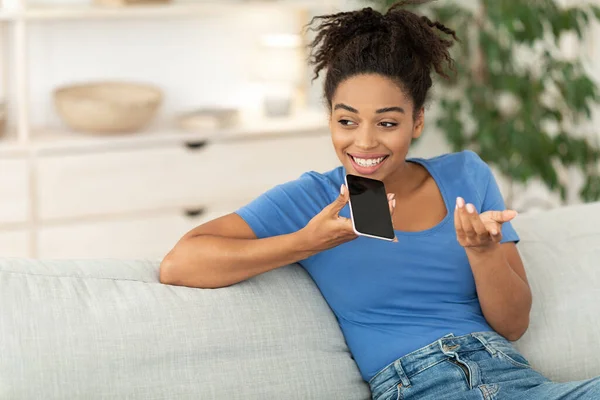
[[399, 44]]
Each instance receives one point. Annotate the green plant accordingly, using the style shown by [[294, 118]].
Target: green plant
[[515, 99]]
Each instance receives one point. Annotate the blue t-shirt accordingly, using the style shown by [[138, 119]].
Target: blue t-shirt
[[390, 298]]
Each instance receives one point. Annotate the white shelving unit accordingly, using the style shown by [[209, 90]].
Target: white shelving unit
[[21, 15], [34, 159]]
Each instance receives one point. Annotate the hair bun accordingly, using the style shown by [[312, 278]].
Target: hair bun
[[399, 44]]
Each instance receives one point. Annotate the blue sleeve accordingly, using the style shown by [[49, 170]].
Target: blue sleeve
[[286, 208], [489, 194]]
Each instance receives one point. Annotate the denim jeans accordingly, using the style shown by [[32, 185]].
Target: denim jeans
[[480, 365]]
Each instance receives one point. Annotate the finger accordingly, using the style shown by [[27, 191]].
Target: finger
[[501, 216], [465, 221], [475, 220], [391, 202], [497, 238], [495, 230], [340, 201], [460, 233]]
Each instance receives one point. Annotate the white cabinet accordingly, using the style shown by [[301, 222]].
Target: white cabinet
[[147, 237], [14, 191], [137, 202], [174, 177], [14, 243], [118, 182]]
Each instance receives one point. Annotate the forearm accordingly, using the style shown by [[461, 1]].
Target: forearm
[[504, 297], [210, 261]]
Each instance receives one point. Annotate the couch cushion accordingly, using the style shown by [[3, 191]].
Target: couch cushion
[[108, 329], [561, 252]]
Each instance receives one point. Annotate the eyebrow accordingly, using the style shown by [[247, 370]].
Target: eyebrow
[[380, 111], [388, 109]]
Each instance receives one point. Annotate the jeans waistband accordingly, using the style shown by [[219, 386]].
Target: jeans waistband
[[411, 364]]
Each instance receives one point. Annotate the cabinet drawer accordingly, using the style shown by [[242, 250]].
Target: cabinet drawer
[[14, 191], [77, 185], [143, 237], [243, 170], [72, 186], [14, 243]]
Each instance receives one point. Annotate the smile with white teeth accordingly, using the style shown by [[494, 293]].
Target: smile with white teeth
[[367, 162]]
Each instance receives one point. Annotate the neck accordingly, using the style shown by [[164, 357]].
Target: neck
[[404, 180]]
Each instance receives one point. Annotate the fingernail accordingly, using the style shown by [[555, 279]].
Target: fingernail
[[494, 232], [390, 196], [470, 208], [394, 203], [460, 202], [342, 190]]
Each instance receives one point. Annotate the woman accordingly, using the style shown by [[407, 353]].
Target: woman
[[427, 316]]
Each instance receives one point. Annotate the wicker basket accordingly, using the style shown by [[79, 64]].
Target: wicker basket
[[107, 107], [129, 3]]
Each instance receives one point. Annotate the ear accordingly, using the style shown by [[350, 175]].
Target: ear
[[419, 123]]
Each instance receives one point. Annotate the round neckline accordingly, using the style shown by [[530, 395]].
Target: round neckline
[[434, 175]]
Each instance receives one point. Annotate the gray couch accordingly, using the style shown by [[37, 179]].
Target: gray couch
[[107, 329]]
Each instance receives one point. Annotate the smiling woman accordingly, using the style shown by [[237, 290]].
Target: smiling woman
[[430, 315], [371, 131]]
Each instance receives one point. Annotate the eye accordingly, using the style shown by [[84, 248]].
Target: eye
[[386, 124], [346, 122]]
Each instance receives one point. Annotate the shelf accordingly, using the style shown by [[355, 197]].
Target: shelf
[[60, 140], [42, 12], [8, 15]]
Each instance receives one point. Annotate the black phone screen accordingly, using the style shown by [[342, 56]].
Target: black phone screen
[[369, 207]]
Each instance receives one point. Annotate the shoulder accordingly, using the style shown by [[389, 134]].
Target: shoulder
[[312, 187], [463, 164], [465, 171], [289, 206], [327, 181]]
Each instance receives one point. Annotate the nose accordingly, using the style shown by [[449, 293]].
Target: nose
[[365, 139]]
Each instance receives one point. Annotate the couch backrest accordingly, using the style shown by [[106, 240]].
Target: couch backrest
[[561, 252], [108, 329]]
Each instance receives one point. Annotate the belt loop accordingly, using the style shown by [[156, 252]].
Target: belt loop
[[491, 349], [403, 378], [440, 342]]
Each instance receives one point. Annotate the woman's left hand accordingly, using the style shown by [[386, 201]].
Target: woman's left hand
[[479, 231]]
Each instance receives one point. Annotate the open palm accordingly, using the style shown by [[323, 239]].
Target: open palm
[[479, 230]]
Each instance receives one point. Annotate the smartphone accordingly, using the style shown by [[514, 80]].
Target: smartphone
[[369, 209]]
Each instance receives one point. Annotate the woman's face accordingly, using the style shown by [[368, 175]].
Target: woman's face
[[372, 126]]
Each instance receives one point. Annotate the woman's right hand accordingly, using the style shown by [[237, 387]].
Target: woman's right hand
[[328, 229]]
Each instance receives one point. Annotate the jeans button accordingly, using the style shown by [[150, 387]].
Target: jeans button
[[445, 347]]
